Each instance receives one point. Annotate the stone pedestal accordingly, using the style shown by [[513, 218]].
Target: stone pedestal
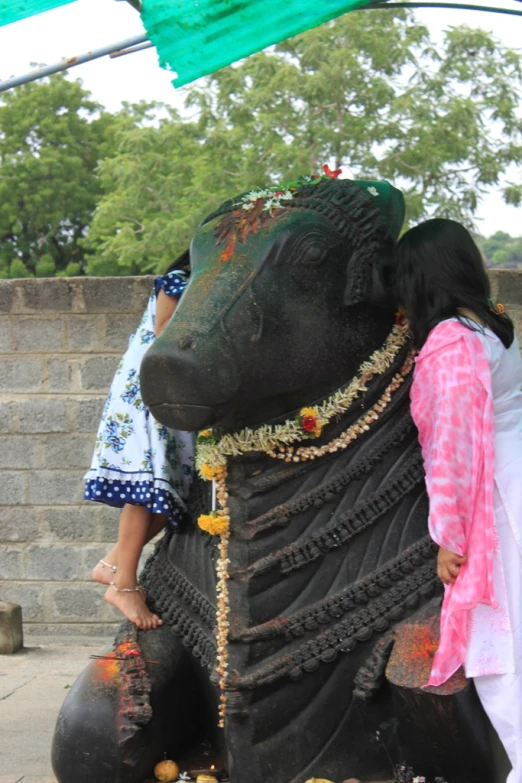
[[11, 635]]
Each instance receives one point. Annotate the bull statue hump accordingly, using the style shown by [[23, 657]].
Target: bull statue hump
[[312, 646]]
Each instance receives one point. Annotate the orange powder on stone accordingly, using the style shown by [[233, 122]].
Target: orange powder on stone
[[418, 645], [109, 669]]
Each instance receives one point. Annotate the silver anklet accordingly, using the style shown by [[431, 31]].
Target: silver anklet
[[128, 589], [113, 568]]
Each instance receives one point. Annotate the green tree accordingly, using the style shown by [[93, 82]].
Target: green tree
[[517, 251], [501, 249], [368, 92], [501, 257], [52, 136], [442, 122], [45, 267], [497, 241], [157, 187]]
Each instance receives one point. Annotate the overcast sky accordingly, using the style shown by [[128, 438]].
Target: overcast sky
[[90, 24]]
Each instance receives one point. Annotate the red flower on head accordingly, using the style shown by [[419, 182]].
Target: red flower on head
[[400, 318], [331, 174], [279, 192], [309, 423]]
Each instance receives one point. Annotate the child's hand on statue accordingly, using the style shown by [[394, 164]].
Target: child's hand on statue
[[448, 566]]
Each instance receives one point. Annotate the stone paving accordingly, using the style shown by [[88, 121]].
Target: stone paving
[[33, 685]]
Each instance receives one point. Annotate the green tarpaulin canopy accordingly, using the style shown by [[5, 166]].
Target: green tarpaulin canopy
[[14, 10], [198, 37]]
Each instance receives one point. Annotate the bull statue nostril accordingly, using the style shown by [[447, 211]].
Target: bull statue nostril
[[186, 343]]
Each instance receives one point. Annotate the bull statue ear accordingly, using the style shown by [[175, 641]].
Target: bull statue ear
[[371, 266]]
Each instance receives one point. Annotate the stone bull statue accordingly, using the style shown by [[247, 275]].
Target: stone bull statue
[[305, 626]]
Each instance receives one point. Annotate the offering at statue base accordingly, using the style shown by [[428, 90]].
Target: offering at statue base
[[318, 780], [166, 771]]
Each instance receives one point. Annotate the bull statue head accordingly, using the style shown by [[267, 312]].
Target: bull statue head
[[289, 293]]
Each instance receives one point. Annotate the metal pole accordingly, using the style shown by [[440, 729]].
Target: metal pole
[[71, 62], [463, 6], [123, 52]]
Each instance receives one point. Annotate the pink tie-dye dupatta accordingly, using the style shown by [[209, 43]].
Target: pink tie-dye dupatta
[[452, 406]]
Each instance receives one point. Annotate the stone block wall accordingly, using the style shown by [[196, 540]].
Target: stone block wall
[[506, 287], [60, 341]]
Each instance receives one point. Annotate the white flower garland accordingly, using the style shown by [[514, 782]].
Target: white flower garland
[[272, 198], [212, 456]]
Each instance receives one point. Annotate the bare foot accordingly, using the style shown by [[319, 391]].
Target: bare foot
[[133, 606], [102, 574]]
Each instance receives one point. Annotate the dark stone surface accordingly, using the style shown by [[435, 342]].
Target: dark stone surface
[[442, 719], [326, 557]]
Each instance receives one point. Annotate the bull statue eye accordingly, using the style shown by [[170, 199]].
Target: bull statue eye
[[312, 247], [313, 256]]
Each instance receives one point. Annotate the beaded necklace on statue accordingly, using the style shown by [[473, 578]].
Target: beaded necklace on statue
[[279, 442]]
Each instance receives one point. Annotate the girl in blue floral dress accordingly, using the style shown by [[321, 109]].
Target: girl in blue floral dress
[[139, 465]]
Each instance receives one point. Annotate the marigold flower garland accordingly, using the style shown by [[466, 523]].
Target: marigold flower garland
[[276, 441], [212, 455], [217, 523]]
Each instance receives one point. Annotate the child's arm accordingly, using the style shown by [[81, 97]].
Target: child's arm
[[165, 306]]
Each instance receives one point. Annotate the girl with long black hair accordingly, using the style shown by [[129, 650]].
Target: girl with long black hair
[[466, 401]]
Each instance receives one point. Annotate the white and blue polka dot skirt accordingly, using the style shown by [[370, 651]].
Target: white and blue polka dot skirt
[[136, 459]]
